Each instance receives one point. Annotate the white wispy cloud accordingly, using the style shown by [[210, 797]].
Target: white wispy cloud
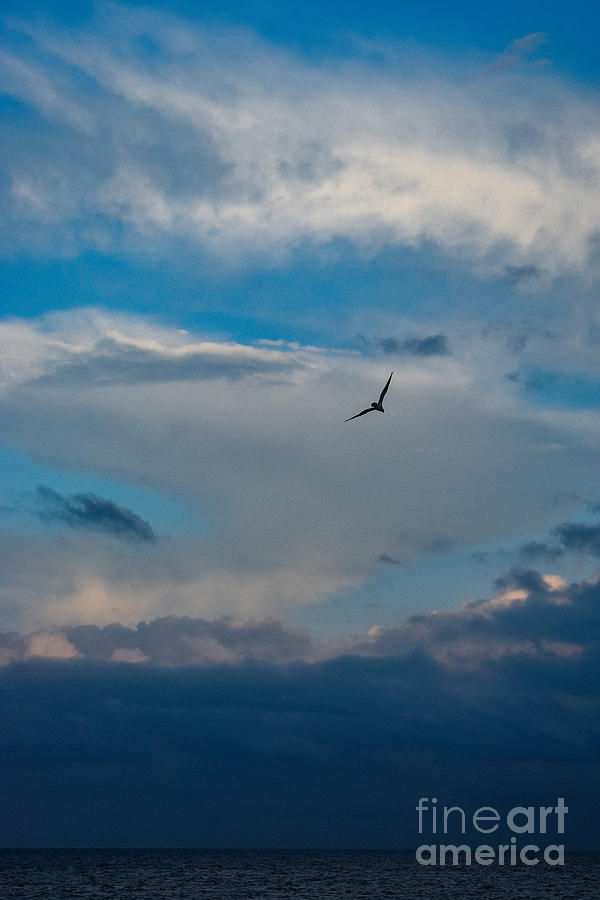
[[217, 138], [87, 346], [521, 48]]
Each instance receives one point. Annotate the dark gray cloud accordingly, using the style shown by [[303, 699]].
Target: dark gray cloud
[[93, 513], [531, 617], [568, 537], [579, 538], [388, 560], [540, 551], [518, 274], [175, 641], [481, 556], [496, 702], [169, 641], [431, 345], [439, 544]]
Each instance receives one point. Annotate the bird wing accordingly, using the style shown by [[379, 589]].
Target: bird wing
[[384, 391], [369, 409]]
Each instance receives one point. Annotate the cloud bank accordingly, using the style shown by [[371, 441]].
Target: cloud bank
[[166, 725], [532, 617]]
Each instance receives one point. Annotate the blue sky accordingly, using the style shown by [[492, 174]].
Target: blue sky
[[222, 231]]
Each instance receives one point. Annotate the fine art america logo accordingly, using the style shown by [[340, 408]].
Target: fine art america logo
[[520, 820]]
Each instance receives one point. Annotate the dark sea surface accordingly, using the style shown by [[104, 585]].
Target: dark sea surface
[[278, 874]]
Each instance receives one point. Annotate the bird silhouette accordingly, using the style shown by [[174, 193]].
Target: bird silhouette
[[374, 406]]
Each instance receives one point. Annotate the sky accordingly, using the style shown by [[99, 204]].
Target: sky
[[225, 611]]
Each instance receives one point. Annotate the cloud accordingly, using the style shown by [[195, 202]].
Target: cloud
[[129, 655], [579, 538], [255, 450], [521, 49], [177, 641], [92, 513], [49, 645], [494, 702], [568, 537], [539, 551], [220, 140], [88, 347], [518, 274], [388, 560], [432, 345], [531, 616], [113, 362]]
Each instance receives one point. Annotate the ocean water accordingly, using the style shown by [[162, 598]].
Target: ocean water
[[279, 874]]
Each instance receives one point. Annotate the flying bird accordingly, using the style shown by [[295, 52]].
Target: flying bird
[[374, 406]]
